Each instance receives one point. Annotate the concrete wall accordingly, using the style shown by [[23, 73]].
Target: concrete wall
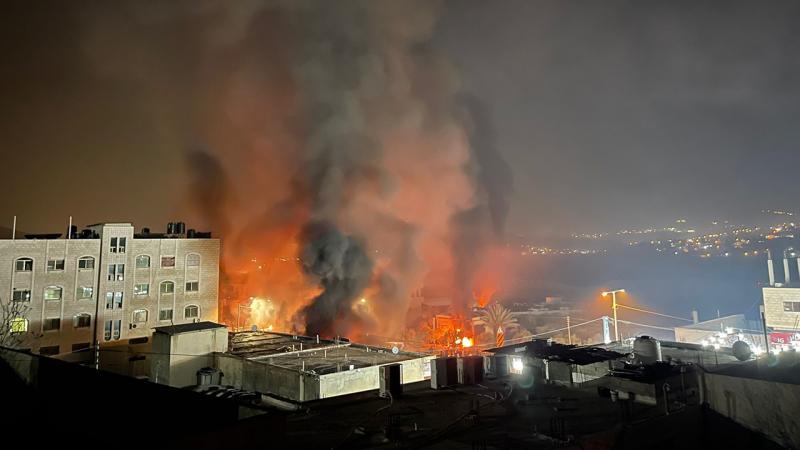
[[366, 378], [259, 376], [764, 406], [775, 316], [177, 358], [589, 372], [348, 382], [266, 378]]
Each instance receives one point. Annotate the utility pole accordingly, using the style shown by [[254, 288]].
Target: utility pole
[[614, 307], [764, 326], [569, 332]]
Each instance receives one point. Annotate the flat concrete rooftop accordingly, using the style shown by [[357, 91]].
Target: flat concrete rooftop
[[310, 354]]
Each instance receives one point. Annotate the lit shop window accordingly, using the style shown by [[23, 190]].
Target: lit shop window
[[516, 365]]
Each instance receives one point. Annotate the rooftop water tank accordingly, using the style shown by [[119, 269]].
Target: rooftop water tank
[[647, 350], [741, 350]]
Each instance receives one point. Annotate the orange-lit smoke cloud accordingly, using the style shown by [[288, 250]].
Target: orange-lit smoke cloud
[[338, 156]]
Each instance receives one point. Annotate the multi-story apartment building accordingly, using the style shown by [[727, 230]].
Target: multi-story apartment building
[[108, 283]]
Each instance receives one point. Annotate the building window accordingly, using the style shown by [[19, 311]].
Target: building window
[[53, 324], [168, 261], [82, 320], [165, 314], [86, 263], [192, 286], [141, 289], [167, 287], [55, 265], [23, 265], [18, 325], [21, 295], [112, 329], [49, 351], [191, 312], [52, 293], [118, 244], [80, 346], [791, 306], [192, 260], [139, 340], [116, 272], [84, 292], [140, 316], [142, 262], [114, 300]]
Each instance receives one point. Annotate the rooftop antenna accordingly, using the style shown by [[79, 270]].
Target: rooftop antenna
[[14, 229], [69, 228]]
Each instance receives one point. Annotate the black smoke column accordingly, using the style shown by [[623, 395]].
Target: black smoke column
[[343, 269]]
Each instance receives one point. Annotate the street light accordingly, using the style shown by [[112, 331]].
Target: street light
[[614, 307]]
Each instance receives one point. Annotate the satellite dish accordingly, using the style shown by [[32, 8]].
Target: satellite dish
[[395, 350]]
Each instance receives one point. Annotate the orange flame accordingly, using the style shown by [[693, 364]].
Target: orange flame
[[466, 342]]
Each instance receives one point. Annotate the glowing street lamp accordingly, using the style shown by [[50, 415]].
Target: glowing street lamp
[[614, 308]]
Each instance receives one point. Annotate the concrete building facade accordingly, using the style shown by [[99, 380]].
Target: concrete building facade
[[106, 282], [782, 307]]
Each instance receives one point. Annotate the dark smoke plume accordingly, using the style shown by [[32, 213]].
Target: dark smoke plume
[[343, 269]]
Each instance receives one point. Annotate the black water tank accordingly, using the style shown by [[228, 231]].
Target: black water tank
[[145, 230], [191, 233], [171, 228], [180, 228]]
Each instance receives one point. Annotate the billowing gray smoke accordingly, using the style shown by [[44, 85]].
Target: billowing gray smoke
[[342, 140], [476, 229], [209, 190], [343, 269]]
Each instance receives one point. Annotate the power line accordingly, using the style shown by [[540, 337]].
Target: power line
[[644, 325], [653, 312], [523, 339]]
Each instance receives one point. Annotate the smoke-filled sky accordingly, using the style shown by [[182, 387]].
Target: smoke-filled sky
[[609, 113]]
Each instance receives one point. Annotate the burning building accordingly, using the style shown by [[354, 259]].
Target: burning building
[[350, 166]]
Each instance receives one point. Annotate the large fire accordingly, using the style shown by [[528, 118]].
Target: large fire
[[367, 174]]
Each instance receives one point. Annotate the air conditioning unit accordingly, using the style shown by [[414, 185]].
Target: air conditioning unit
[[444, 372], [470, 370]]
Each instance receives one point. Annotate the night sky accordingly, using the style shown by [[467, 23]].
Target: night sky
[[610, 114]]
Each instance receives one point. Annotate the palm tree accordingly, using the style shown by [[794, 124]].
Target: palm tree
[[497, 317]]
